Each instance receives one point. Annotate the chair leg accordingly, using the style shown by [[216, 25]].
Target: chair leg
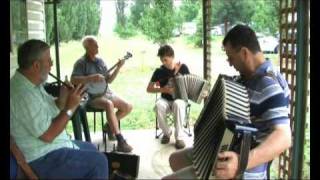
[[157, 128], [103, 133], [187, 125]]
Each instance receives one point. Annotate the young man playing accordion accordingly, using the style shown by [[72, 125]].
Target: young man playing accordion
[[160, 82], [269, 100]]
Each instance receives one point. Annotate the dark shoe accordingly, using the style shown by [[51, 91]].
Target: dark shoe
[[123, 146], [106, 129], [180, 144], [166, 138]]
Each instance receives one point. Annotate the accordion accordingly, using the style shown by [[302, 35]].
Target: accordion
[[224, 119], [190, 87]]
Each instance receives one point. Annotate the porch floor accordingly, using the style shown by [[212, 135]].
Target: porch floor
[[154, 156]]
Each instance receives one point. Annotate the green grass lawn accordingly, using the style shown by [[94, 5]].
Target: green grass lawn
[[132, 81]]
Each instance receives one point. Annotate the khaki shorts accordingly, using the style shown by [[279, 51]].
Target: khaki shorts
[[108, 94]]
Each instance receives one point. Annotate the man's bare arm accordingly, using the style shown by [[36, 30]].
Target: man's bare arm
[[60, 121], [154, 88], [86, 79], [113, 75], [277, 142]]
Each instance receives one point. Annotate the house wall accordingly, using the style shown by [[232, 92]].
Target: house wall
[[36, 19], [35, 13]]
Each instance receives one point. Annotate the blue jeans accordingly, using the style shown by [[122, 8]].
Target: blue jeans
[[84, 163]]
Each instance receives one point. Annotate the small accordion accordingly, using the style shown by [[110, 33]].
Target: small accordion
[[191, 87], [224, 118]]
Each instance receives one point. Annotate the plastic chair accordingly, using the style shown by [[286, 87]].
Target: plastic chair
[[101, 111], [94, 111]]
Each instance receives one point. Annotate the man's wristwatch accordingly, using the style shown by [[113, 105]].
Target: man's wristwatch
[[68, 112]]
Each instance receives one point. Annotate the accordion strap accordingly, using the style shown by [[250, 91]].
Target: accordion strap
[[244, 153], [177, 68]]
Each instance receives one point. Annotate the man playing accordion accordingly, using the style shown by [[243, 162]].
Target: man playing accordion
[[160, 82], [269, 100]]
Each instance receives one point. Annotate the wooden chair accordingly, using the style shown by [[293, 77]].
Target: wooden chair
[[23, 166]]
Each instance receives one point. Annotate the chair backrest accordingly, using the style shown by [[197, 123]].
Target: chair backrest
[[21, 161]]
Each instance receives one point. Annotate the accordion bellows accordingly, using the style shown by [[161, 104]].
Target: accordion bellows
[[228, 101], [191, 87]]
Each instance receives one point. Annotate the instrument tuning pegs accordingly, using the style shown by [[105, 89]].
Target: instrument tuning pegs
[[129, 54]]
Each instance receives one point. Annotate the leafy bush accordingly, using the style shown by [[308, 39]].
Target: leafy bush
[[75, 19], [125, 31]]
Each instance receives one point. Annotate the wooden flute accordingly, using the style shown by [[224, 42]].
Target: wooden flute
[[56, 78]]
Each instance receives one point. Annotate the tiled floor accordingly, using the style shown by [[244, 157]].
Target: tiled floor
[[154, 156]]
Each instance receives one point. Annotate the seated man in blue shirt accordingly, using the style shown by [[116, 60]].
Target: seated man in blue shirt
[[93, 72], [38, 121], [269, 100]]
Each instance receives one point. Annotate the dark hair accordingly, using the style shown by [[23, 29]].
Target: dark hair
[[30, 51], [242, 36], [165, 50]]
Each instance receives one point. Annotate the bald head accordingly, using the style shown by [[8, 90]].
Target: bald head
[[90, 45], [87, 41]]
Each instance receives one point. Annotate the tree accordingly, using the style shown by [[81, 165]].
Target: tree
[[158, 23], [49, 24], [73, 19], [231, 11], [124, 28], [197, 38], [121, 17], [266, 17], [263, 15], [189, 10], [138, 10], [93, 16]]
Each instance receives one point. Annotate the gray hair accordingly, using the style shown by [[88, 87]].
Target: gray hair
[[31, 51], [86, 40]]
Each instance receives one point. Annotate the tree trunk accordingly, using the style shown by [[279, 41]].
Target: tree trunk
[[225, 25]]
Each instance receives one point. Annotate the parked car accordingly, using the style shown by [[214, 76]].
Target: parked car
[[189, 28], [268, 44], [176, 32], [217, 31]]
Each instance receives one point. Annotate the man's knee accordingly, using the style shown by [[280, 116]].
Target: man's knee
[[173, 159], [160, 106], [109, 105], [129, 107]]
